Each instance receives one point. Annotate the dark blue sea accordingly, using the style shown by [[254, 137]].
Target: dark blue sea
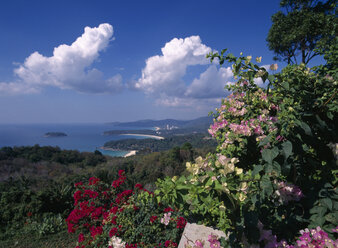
[[81, 137]]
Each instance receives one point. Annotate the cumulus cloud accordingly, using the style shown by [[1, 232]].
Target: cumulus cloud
[[210, 84], [68, 67], [162, 76], [163, 73]]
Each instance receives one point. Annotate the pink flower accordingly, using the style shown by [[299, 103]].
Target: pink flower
[[166, 218]]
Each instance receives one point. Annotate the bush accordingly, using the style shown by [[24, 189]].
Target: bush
[[273, 171], [104, 215]]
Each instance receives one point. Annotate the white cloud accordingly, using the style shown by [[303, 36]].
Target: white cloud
[[162, 76], [210, 84], [163, 73], [68, 67], [14, 88]]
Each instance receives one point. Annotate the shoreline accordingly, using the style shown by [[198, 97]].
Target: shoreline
[[145, 135], [128, 153]]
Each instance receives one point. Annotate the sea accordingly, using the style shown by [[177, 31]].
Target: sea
[[81, 137]]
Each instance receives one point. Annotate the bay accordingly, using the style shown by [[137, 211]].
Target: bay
[[81, 137]]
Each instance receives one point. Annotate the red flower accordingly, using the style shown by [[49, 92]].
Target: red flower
[[153, 218], [81, 238], [79, 183], [29, 214], [169, 243], [95, 231], [113, 220], [181, 222], [93, 180], [169, 209], [138, 186], [77, 196], [131, 245], [114, 210], [121, 173], [113, 232]]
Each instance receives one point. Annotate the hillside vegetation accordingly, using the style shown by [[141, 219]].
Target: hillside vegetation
[[37, 185]]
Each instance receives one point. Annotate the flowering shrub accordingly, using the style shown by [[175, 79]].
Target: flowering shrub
[[273, 166], [105, 216], [212, 239]]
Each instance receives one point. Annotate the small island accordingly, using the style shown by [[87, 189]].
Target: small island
[[54, 134]]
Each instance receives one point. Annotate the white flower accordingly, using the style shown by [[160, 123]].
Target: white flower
[[116, 242]]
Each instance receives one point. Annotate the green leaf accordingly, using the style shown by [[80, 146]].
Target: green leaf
[[332, 217], [287, 149], [317, 220], [264, 141], [270, 154], [257, 169], [266, 185], [329, 115], [254, 199], [276, 167], [271, 78], [285, 85], [327, 202], [320, 210], [286, 168], [306, 128]]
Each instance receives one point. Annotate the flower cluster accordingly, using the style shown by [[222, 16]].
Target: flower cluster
[[104, 214], [243, 123], [288, 192], [315, 238], [309, 239], [212, 239]]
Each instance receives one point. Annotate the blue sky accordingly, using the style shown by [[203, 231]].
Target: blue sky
[[101, 61]]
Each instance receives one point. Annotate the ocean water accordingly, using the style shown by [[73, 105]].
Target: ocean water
[[81, 137]]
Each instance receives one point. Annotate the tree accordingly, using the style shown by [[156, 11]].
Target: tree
[[297, 32]]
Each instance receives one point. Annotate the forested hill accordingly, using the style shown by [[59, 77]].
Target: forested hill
[[202, 122], [197, 140]]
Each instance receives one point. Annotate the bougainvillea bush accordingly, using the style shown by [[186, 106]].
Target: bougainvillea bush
[[105, 216], [274, 171]]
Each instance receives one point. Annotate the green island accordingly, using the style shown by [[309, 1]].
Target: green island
[[54, 134]]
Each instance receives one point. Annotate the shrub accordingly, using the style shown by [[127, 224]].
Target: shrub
[[104, 215], [273, 171]]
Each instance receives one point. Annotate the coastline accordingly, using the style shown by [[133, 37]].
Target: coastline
[[129, 153], [145, 135]]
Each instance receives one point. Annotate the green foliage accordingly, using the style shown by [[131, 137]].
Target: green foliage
[[49, 153], [34, 195], [275, 160], [198, 140], [298, 31]]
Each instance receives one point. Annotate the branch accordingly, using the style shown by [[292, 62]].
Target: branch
[[330, 98], [310, 57]]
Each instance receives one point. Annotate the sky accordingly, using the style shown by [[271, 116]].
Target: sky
[[86, 61]]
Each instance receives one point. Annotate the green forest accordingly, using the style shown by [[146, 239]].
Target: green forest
[[197, 140]]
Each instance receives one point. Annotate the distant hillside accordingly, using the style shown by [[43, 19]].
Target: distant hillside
[[197, 140], [202, 122]]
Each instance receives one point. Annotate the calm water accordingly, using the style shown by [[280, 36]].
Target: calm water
[[82, 137]]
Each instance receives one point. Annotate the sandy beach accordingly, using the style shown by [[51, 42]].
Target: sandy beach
[[130, 153], [145, 135]]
